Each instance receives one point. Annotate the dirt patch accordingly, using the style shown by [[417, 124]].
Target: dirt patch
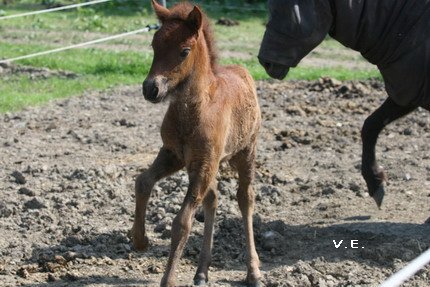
[[227, 22], [7, 70], [67, 203]]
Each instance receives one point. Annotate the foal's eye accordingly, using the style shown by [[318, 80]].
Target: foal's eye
[[185, 52]]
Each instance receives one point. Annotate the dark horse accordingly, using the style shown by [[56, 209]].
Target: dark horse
[[392, 34]]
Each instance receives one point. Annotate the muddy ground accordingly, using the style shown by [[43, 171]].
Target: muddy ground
[[66, 193]]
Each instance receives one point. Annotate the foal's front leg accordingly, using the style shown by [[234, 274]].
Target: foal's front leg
[[165, 164], [200, 176], [372, 173]]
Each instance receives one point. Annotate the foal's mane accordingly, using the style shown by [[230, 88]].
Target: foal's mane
[[180, 11]]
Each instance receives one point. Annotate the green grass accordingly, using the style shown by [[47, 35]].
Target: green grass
[[307, 73], [96, 69], [83, 61], [35, 92], [101, 68], [100, 17], [340, 73]]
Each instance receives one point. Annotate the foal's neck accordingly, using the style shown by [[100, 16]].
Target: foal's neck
[[197, 86]]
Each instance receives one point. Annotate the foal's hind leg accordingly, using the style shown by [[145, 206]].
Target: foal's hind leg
[[210, 204], [245, 165], [166, 163], [373, 125]]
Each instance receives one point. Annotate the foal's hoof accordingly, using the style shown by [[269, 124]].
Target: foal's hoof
[[140, 243], [255, 284], [253, 280], [378, 196]]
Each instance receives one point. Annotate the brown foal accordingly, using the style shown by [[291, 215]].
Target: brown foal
[[213, 116]]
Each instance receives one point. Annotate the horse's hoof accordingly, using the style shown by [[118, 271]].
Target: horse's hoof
[[378, 196], [200, 279], [200, 282]]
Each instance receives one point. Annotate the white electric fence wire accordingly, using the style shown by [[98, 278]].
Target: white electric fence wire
[[146, 29], [248, 8], [54, 9], [404, 274]]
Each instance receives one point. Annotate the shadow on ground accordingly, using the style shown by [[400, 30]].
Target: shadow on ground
[[99, 280], [371, 243]]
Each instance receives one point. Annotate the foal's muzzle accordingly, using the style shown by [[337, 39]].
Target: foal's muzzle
[[151, 90]]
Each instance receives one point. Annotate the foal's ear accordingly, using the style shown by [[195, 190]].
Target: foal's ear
[[161, 11], [194, 19]]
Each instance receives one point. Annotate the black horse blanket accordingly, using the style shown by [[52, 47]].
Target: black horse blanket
[[392, 34], [395, 36]]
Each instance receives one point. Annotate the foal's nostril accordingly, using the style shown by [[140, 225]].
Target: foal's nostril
[[150, 90], [154, 92]]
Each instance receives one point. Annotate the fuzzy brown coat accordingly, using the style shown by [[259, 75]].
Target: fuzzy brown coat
[[213, 116]]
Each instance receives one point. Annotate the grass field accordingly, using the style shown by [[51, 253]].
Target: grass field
[[127, 60]]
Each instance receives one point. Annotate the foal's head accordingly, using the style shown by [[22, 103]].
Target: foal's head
[[182, 47]]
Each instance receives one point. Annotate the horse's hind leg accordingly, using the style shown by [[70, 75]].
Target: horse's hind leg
[[427, 107], [166, 163], [210, 204], [245, 165], [373, 125]]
